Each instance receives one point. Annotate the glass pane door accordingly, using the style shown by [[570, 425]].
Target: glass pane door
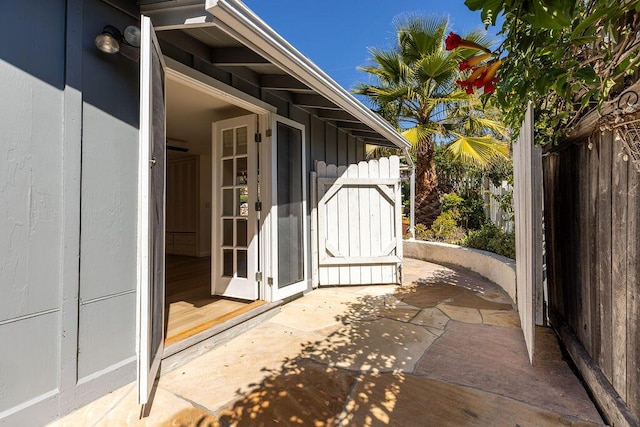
[[235, 202], [289, 199], [236, 248]]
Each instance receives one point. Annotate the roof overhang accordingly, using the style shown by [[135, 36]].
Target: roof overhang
[[241, 23], [227, 34]]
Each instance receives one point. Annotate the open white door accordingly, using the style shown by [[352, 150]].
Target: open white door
[[235, 223], [288, 213], [151, 212]]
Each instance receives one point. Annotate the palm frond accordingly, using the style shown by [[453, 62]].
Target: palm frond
[[477, 149]]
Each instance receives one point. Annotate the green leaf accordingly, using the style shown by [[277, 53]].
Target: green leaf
[[474, 4], [549, 14], [587, 74], [590, 20], [589, 96]]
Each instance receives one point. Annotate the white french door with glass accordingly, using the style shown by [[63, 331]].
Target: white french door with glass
[[287, 218], [235, 223]]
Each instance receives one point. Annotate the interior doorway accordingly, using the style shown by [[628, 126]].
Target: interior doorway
[[193, 223]]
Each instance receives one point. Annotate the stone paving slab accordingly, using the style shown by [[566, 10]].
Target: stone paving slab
[[230, 370], [120, 409], [408, 400], [506, 318], [461, 314], [432, 318], [303, 393], [491, 358], [381, 346]]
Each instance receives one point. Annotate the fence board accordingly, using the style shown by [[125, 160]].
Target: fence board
[[619, 270], [594, 175], [386, 221], [364, 217], [321, 171], [354, 239], [343, 228], [313, 193], [633, 293], [333, 236], [604, 252], [585, 234], [375, 221]]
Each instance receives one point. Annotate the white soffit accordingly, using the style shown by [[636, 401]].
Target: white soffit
[[240, 22]]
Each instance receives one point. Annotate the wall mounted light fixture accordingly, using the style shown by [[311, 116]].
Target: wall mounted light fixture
[[111, 41]]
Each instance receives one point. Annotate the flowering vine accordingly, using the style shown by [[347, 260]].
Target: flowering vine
[[483, 66]]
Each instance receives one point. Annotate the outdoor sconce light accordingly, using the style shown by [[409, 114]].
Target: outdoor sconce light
[[111, 40]]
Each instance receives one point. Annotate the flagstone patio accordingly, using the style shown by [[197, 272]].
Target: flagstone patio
[[445, 349]]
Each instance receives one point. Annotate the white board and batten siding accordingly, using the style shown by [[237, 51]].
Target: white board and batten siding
[[357, 223]]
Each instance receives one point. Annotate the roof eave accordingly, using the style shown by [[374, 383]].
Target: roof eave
[[238, 20]]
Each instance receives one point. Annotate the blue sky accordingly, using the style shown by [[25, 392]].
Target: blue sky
[[335, 34]]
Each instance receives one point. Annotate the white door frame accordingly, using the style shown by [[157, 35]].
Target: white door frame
[[269, 181], [194, 79]]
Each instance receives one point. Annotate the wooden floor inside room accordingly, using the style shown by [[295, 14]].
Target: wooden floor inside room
[[190, 307]]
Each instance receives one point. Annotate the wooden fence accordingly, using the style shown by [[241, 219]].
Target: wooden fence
[[592, 213], [493, 208], [357, 223]]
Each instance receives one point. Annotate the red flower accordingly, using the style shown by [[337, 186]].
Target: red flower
[[453, 41], [488, 87], [481, 77], [468, 87]]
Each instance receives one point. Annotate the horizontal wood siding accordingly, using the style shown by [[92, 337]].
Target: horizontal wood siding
[[591, 222]]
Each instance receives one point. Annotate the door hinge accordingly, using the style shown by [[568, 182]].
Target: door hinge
[[259, 276], [268, 133], [258, 137], [270, 281], [258, 206]]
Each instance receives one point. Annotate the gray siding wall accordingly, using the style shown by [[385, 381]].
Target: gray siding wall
[[67, 311], [31, 201], [110, 113]]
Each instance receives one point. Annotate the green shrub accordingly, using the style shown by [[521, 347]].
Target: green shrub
[[493, 239], [444, 229], [472, 210], [451, 201]]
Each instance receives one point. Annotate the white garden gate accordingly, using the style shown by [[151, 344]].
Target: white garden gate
[[356, 223]]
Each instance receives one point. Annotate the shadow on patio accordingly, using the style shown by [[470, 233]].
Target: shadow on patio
[[446, 350]]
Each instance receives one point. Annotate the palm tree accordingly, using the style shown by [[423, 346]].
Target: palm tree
[[415, 89]]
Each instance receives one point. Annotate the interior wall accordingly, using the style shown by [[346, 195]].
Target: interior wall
[[205, 205]]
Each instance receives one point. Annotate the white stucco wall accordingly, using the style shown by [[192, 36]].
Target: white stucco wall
[[500, 270]]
